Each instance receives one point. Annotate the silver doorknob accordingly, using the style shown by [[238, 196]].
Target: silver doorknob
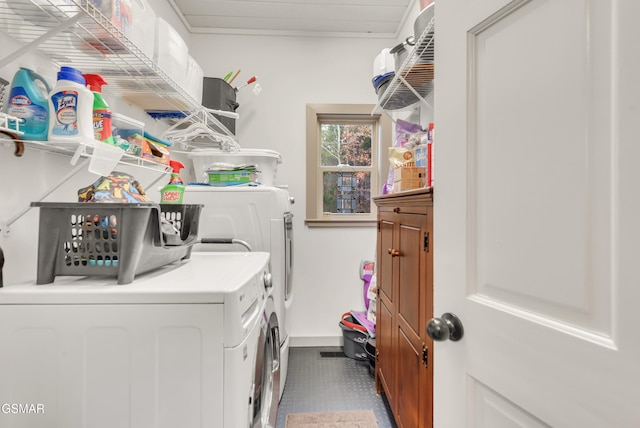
[[447, 327]]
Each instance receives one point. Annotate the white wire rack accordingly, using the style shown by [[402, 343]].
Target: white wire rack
[[75, 33], [413, 82]]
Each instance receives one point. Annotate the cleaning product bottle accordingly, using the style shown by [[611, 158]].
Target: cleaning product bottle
[[172, 192], [28, 102], [101, 112], [71, 108]]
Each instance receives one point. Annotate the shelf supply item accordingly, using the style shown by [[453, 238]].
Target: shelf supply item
[[172, 193], [29, 102], [101, 111], [71, 108], [234, 76], [250, 81]]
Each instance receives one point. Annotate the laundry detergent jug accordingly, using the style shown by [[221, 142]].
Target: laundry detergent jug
[[71, 106], [29, 102]]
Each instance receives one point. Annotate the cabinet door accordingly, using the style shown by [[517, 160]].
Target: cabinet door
[[386, 242], [411, 298], [385, 346]]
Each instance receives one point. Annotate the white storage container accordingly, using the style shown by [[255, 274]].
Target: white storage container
[[171, 52], [142, 29], [266, 162], [194, 80]]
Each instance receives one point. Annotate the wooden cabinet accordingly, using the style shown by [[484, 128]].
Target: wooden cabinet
[[404, 369]]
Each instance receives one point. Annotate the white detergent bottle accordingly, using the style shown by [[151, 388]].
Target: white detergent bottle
[[70, 108]]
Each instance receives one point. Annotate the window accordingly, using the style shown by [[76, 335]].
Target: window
[[343, 168]]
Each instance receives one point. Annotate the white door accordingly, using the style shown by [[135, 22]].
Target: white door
[[537, 213]]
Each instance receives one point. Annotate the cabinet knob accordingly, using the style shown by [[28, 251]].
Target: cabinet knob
[[396, 210], [394, 252]]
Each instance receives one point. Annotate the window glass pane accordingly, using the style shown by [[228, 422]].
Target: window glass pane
[[346, 144], [346, 192]]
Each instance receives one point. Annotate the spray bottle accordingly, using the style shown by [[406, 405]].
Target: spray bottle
[[101, 112], [172, 193]]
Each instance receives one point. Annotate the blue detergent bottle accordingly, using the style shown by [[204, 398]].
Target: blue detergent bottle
[[30, 103]]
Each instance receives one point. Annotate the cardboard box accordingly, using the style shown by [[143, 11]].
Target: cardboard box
[[155, 152], [423, 156], [409, 178], [118, 13]]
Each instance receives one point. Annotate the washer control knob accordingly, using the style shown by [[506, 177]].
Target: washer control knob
[[268, 281], [292, 200]]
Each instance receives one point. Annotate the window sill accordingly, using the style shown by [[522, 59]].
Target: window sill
[[339, 222]]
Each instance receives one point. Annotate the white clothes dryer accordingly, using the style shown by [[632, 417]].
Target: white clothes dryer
[[260, 216], [192, 344]]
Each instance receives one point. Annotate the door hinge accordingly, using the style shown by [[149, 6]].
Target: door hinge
[[378, 225], [425, 355], [426, 241]]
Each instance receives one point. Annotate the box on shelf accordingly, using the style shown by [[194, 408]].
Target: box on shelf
[[128, 133], [423, 156], [155, 152], [409, 178], [171, 53], [119, 14], [231, 178]]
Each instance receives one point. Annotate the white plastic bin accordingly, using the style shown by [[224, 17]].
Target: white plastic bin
[[142, 30], [171, 52], [266, 162], [194, 81]]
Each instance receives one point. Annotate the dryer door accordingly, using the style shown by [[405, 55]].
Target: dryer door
[[266, 388]]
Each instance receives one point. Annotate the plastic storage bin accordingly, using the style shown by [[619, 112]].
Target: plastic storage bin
[[128, 133], [142, 28], [111, 239], [266, 162], [355, 337], [194, 80], [171, 52]]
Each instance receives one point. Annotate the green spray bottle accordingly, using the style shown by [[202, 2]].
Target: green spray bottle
[[172, 193], [101, 112]]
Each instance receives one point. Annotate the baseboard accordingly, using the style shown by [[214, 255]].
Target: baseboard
[[310, 341]]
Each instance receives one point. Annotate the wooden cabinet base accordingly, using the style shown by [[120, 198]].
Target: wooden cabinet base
[[404, 360]]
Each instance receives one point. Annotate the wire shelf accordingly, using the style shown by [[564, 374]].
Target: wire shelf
[[75, 33], [413, 83]]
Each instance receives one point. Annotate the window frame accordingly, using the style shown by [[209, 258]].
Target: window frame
[[317, 114]]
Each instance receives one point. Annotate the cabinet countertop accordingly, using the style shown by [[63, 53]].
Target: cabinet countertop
[[406, 194]]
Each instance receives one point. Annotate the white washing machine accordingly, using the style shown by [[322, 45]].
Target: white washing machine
[[192, 344], [260, 216]]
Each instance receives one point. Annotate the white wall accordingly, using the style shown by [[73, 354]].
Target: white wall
[[295, 71]]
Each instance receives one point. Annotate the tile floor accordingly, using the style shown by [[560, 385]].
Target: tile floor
[[330, 382]]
